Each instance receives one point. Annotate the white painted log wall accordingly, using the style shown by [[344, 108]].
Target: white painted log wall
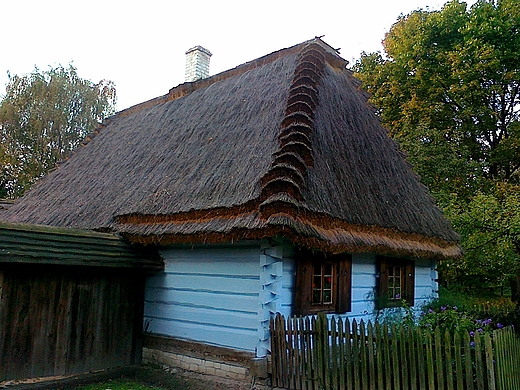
[[206, 294], [224, 295]]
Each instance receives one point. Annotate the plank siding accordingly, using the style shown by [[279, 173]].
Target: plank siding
[[207, 294], [67, 320], [22, 243]]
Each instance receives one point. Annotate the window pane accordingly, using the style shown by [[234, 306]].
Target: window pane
[[327, 268], [395, 273], [316, 297], [327, 296], [317, 281]]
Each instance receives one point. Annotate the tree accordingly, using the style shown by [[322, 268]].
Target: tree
[[43, 117], [447, 88]]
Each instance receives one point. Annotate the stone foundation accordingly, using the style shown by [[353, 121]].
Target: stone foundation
[[203, 359], [202, 366]]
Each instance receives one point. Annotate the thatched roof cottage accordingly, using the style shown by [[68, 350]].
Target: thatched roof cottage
[[271, 187]]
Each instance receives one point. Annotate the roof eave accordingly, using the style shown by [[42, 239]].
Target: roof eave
[[325, 234]]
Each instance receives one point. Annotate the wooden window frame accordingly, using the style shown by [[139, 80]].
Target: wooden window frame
[[386, 266], [341, 283]]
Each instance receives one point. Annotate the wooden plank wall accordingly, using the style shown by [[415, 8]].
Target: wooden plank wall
[[34, 244], [60, 320]]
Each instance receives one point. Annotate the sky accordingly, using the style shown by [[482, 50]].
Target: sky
[[141, 45]]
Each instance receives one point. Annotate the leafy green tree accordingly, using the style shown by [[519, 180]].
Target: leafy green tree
[[44, 115], [447, 88]]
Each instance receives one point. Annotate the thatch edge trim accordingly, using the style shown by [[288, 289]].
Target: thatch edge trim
[[319, 232]]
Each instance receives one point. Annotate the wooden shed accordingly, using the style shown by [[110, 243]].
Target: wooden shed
[[71, 301]]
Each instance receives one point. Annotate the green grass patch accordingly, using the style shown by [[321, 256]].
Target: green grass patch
[[119, 384]]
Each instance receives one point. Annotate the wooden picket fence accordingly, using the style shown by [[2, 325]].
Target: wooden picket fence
[[315, 353]]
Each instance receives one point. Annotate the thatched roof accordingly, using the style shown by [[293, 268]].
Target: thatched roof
[[283, 145]]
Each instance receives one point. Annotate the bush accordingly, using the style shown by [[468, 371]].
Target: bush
[[452, 319], [478, 307]]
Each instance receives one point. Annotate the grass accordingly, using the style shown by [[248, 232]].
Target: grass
[[119, 384]]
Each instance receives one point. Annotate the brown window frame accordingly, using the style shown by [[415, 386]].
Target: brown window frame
[[341, 283], [388, 285]]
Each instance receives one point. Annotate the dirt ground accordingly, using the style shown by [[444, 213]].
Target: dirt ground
[[179, 379], [174, 379]]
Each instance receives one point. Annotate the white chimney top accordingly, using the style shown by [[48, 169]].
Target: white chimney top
[[197, 64]]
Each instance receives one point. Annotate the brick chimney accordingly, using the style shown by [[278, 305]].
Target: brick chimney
[[197, 64]]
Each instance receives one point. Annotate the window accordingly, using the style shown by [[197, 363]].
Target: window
[[396, 281], [322, 283]]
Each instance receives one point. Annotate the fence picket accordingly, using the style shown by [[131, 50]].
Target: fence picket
[[403, 357], [342, 356], [363, 356], [314, 353], [449, 363], [326, 350], [421, 370], [297, 353], [379, 357], [334, 355], [490, 368], [303, 353], [320, 352], [439, 366], [355, 355], [371, 363], [467, 362], [501, 363], [386, 358], [479, 364], [275, 350], [429, 360], [412, 335], [458, 360], [349, 369], [290, 356], [396, 367]]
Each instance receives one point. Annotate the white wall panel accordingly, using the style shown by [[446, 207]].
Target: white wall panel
[[207, 294]]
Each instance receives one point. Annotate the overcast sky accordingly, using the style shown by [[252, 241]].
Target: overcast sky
[[141, 45]]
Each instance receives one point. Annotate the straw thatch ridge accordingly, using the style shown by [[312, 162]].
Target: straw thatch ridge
[[283, 145], [296, 129]]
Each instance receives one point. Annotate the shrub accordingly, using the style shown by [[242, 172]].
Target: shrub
[[452, 319]]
